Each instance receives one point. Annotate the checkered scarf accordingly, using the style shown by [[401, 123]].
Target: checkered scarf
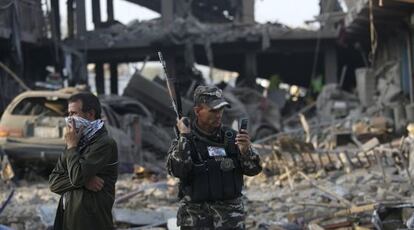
[[90, 128]]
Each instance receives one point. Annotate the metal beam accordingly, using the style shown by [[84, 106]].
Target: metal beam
[[56, 19], [96, 13], [114, 77], [110, 10], [80, 18], [56, 36], [99, 78], [71, 17]]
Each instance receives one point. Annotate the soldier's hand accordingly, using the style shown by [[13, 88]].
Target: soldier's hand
[[72, 136], [95, 184], [183, 125], [243, 141]]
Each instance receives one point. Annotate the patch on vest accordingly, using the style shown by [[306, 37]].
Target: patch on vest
[[226, 164], [216, 151]]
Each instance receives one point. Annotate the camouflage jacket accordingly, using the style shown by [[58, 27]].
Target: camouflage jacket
[[180, 162]]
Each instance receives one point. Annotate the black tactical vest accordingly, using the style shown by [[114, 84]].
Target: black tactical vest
[[215, 176]]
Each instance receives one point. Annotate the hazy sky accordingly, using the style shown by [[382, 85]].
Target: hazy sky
[[290, 12]]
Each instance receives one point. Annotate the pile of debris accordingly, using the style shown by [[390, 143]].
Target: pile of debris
[[330, 200], [264, 115], [139, 202], [337, 184], [348, 167]]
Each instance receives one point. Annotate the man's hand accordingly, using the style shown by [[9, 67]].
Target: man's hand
[[72, 136], [243, 141], [95, 184], [183, 125]]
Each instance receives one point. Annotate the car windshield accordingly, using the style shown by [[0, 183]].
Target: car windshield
[[55, 107]]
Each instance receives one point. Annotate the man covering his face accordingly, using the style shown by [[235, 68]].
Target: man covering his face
[[86, 172]]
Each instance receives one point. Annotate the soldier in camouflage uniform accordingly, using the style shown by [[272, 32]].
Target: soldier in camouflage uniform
[[210, 161]]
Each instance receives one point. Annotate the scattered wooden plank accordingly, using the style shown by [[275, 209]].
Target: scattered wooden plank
[[338, 197], [139, 190]]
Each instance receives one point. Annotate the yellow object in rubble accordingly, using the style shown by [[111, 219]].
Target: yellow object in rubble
[[6, 170], [410, 129]]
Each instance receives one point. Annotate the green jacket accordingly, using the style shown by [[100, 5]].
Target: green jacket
[[80, 208]]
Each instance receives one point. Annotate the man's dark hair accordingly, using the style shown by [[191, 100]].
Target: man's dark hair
[[89, 102]]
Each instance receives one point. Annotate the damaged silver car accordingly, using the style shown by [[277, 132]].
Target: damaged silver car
[[32, 128]]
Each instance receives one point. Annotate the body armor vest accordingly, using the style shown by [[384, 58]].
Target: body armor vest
[[218, 175]]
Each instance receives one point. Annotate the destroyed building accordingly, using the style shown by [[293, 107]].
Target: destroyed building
[[382, 101], [26, 47], [218, 34], [382, 31], [346, 167], [221, 34], [365, 138]]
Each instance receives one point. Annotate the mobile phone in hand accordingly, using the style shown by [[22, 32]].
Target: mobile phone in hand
[[243, 122]]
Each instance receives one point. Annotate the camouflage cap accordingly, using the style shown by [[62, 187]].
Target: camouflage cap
[[211, 96]]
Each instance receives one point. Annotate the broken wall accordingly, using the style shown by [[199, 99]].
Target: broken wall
[[24, 48], [30, 19], [392, 51], [8, 90]]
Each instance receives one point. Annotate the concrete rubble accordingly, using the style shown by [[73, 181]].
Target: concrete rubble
[[346, 165], [352, 171], [344, 160], [264, 115], [274, 201]]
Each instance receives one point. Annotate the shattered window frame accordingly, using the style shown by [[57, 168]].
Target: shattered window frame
[[35, 106]]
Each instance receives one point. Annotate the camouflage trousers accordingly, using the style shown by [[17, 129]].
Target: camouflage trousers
[[227, 214]]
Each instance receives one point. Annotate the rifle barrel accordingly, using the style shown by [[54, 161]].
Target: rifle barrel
[[170, 86]]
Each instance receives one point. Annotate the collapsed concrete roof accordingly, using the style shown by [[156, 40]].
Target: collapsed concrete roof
[[150, 33], [278, 47]]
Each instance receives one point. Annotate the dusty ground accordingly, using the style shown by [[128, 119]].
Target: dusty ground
[[269, 204], [32, 203]]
